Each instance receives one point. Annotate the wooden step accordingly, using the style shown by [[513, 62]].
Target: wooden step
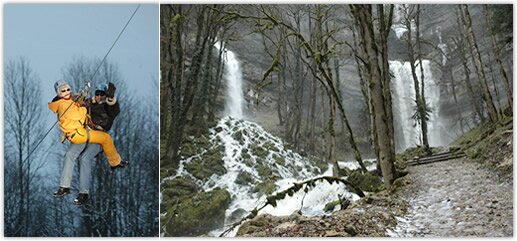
[[436, 158], [439, 155]]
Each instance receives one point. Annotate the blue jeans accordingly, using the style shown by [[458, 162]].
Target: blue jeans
[[85, 170]]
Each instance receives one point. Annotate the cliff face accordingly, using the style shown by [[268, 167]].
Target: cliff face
[[438, 28]]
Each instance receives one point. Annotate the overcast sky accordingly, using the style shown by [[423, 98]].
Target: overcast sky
[[50, 36]]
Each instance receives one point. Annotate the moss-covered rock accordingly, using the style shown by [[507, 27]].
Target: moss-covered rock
[[246, 157], [266, 172], [178, 187], [279, 159], [209, 163], [238, 137], [189, 149], [246, 160], [267, 187], [167, 167], [258, 151], [198, 214], [218, 129], [330, 206], [244, 178], [236, 215], [365, 181], [257, 223], [270, 146], [344, 171], [203, 141]]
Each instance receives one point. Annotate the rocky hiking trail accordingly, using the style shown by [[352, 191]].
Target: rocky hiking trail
[[455, 198]]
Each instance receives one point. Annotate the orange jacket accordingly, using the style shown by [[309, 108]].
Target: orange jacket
[[73, 119]]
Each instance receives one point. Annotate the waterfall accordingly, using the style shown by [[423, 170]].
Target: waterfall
[[408, 133], [233, 78], [248, 150], [442, 46], [256, 164], [398, 26]]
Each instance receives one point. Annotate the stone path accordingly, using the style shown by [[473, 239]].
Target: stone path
[[455, 198]]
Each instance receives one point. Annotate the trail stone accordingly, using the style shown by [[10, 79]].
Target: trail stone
[[458, 204]]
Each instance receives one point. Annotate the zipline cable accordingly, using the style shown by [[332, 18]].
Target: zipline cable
[[84, 91], [115, 42]]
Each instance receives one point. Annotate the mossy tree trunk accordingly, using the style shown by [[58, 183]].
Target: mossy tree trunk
[[366, 94], [478, 63], [367, 40], [497, 54], [382, 45]]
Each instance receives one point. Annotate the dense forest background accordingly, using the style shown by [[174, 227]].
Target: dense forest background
[[321, 76], [293, 55]]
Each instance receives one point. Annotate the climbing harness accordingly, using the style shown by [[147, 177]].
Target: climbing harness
[[85, 90]]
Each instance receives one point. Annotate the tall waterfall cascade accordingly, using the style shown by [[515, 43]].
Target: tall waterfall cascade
[[407, 131], [233, 78], [248, 151]]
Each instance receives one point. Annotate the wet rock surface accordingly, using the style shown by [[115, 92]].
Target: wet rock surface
[[456, 198]]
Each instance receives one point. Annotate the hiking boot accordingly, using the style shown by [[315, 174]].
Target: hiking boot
[[122, 164], [81, 199], [61, 192]]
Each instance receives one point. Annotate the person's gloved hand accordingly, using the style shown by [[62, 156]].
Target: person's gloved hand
[[110, 93]]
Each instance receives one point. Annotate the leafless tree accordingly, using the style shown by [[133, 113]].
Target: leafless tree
[[24, 127], [412, 19], [497, 55], [378, 88], [485, 91]]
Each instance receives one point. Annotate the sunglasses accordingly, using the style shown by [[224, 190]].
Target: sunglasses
[[65, 90], [100, 93]]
